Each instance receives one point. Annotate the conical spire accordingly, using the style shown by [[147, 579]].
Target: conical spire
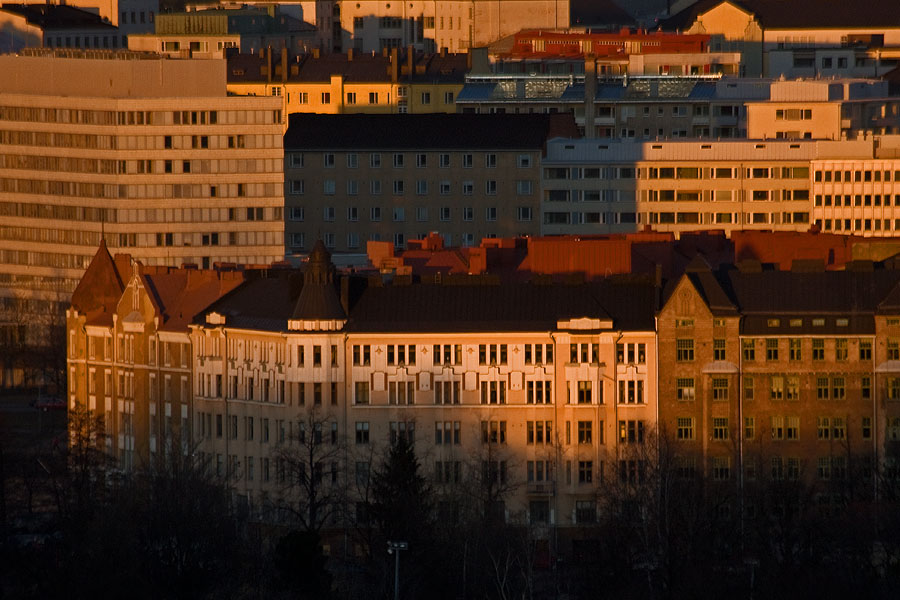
[[318, 299]]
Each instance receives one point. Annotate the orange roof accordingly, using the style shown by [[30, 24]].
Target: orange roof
[[179, 294]]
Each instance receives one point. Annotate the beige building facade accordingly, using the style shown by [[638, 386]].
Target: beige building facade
[[146, 153], [847, 186]]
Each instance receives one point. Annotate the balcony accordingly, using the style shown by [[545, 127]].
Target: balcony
[[543, 488]]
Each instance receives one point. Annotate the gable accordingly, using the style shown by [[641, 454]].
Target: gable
[[685, 302], [727, 20]]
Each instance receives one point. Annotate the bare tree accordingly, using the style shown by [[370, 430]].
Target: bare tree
[[313, 488]]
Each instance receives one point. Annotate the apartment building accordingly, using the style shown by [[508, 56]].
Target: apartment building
[[126, 16], [213, 32], [456, 25], [808, 38], [59, 26], [354, 178], [147, 153], [764, 378], [129, 353], [390, 82], [830, 109], [626, 107], [600, 186], [542, 387], [676, 186]]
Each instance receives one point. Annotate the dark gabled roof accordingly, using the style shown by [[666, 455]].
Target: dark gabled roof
[[264, 304], [800, 14], [101, 286], [425, 131], [507, 307], [57, 16], [709, 288]]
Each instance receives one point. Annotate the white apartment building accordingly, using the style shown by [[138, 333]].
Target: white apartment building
[[606, 186], [148, 153]]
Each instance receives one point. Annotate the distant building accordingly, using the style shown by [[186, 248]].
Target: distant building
[[394, 81], [600, 186], [354, 178], [802, 38], [129, 353], [55, 26], [211, 33], [144, 152]]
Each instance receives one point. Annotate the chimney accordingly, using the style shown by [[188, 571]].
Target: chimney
[[262, 52], [315, 53], [350, 55], [443, 51], [269, 64], [284, 65], [384, 52], [411, 61], [590, 93], [345, 294], [395, 67]]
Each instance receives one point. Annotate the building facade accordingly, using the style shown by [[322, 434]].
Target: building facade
[[354, 178], [599, 186], [162, 163]]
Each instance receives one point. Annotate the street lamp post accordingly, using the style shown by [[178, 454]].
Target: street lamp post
[[395, 548]]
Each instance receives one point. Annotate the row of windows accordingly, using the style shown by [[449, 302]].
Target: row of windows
[[855, 176], [857, 200], [399, 160], [781, 387], [297, 241], [781, 428], [684, 347], [297, 187], [398, 213]]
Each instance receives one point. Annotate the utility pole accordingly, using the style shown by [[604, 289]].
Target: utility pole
[[395, 548]]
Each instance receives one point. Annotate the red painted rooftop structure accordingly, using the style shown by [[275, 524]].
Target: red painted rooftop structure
[[539, 43]]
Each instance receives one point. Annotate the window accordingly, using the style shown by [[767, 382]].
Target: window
[[448, 96], [362, 432], [375, 161], [398, 187], [361, 392], [631, 432], [493, 392], [720, 428], [523, 213], [865, 350], [720, 388], [539, 432], [585, 471], [523, 161], [838, 388], [748, 347], [468, 188], [584, 392], [524, 187], [749, 428], [684, 350], [776, 391], [493, 432], [719, 349], [326, 97], [795, 353], [467, 161], [468, 213], [721, 468], [840, 349], [685, 428], [490, 161], [585, 432], [490, 213], [818, 349], [399, 214], [490, 187], [684, 389], [771, 349], [351, 97], [444, 161], [398, 160], [426, 97], [421, 187]]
